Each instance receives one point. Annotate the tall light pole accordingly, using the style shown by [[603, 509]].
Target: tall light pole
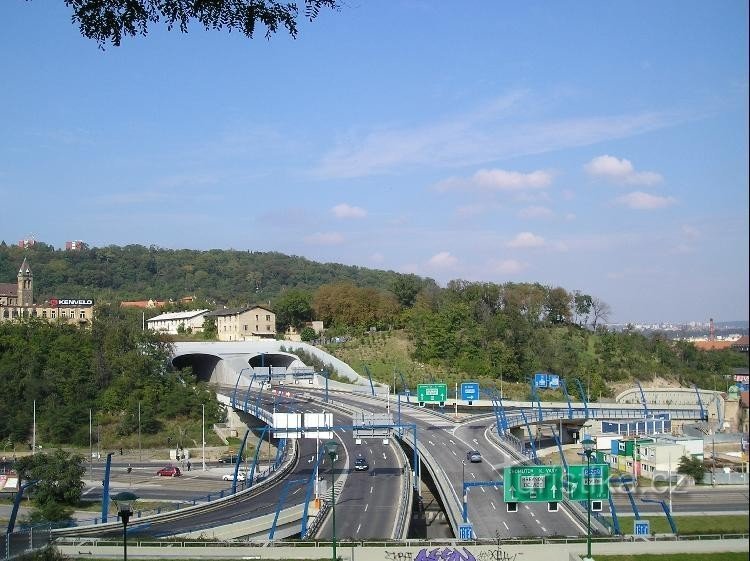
[[203, 433], [588, 448], [332, 448], [463, 489]]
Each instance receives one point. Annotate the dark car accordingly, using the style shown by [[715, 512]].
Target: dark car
[[473, 456], [360, 464], [228, 458], [169, 471]]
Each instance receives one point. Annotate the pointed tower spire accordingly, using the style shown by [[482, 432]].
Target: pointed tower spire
[[25, 285]]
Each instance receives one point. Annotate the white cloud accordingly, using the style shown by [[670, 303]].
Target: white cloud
[[491, 180], [344, 210], [507, 266], [377, 257], [526, 239], [324, 238], [620, 170], [535, 212], [488, 134], [442, 260], [691, 232], [639, 200]]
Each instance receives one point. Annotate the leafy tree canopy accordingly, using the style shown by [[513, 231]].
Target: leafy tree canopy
[[58, 481], [109, 20]]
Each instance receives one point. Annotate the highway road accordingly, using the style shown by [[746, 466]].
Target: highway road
[[367, 501], [448, 443]]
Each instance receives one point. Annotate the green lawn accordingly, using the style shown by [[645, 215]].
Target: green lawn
[[729, 524], [731, 556]]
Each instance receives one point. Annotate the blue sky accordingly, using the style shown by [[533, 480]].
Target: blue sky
[[597, 146]]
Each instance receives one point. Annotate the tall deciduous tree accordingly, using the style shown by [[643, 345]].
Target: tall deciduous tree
[[107, 21], [600, 309], [58, 481]]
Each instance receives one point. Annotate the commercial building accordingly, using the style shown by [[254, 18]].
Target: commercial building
[[17, 302]]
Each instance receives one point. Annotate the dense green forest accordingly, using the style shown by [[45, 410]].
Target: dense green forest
[[64, 372], [135, 272]]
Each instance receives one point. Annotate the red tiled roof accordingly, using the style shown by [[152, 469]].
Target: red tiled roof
[[8, 289], [743, 341], [712, 345]]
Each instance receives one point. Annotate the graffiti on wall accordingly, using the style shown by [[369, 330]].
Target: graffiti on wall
[[450, 554]]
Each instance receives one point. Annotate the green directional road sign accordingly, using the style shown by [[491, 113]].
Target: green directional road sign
[[532, 484], [432, 393], [595, 478]]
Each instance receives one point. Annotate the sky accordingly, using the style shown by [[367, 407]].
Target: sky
[[597, 146]]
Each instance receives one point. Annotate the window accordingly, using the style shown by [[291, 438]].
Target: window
[[268, 328], [244, 327], [256, 328], [5, 314], [44, 313], [53, 314], [82, 315], [33, 312], [256, 317], [268, 317]]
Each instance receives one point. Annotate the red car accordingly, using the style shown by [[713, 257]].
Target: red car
[[169, 471]]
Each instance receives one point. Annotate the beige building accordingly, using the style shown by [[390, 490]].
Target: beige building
[[244, 324], [17, 302]]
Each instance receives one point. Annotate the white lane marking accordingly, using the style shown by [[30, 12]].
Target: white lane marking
[[449, 440], [475, 441], [473, 476], [493, 505], [371, 489], [367, 506], [538, 522], [454, 453], [384, 456], [431, 443], [526, 507], [544, 529], [483, 491], [358, 527], [532, 514], [297, 490], [506, 526]]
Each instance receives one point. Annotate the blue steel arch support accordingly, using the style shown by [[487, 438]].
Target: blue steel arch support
[[665, 508], [236, 384], [559, 448], [257, 399], [643, 399], [239, 461], [282, 498], [308, 494], [279, 452], [583, 397], [404, 387], [17, 505], [369, 376], [704, 415], [613, 512], [531, 438], [255, 458], [567, 397], [105, 490]]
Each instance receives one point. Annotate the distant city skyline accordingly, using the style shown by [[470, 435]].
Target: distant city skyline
[[600, 147]]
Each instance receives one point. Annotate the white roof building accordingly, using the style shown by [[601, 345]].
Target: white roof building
[[170, 322]]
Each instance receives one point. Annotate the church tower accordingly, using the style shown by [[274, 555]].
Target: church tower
[[25, 286]]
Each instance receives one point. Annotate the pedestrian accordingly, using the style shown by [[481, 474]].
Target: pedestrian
[[188, 465]]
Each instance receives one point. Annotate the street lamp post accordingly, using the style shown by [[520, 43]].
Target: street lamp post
[[123, 501], [463, 489], [332, 448], [588, 448]]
